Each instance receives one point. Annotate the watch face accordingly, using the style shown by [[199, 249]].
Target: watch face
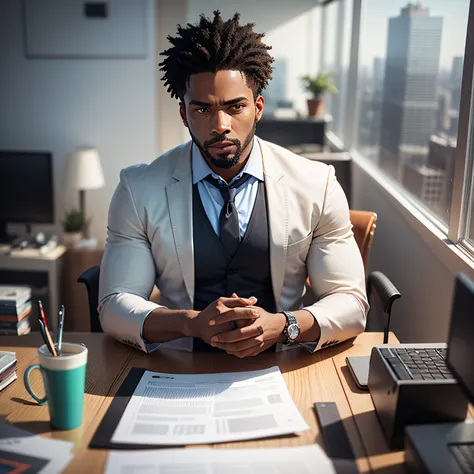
[[293, 331]]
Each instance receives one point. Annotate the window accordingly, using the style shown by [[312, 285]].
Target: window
[[335, 57], [408, 97], [329, 57], [293, 59]]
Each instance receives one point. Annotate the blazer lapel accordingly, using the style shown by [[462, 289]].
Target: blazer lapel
[[277, 206], [179, 195]]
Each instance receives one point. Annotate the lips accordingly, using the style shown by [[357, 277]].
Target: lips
[[222, 145], [225, 147]]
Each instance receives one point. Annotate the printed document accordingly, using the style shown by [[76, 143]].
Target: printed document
[[299, 459], [24, 452], [179, 409]]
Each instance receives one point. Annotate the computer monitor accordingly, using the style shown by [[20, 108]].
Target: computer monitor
[[26, 189], [461, 335]]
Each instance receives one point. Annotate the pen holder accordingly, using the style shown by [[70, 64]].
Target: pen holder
[[64, 379]]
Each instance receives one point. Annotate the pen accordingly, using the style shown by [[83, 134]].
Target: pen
[[43, 334], [46, 330], [59, 339]]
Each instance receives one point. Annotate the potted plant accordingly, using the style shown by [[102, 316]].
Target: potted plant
[[73, 225], [317, 86]]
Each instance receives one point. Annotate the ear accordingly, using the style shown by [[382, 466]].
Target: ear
[[259, 105], [182, 112]]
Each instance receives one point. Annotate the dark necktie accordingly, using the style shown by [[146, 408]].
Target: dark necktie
[[229, 218]]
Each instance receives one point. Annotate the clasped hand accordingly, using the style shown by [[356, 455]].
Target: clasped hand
[[248, 337]]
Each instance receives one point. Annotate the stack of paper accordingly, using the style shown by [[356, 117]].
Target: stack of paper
[[291, 460], [7, 368]]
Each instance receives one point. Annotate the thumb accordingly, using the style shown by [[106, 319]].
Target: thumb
[[247, 301]]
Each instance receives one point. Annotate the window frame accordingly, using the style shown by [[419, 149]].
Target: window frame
[[453, 234]]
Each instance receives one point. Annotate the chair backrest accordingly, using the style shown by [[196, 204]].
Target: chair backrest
[[363, 226]]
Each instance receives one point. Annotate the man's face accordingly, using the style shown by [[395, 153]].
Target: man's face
[[221, 114]]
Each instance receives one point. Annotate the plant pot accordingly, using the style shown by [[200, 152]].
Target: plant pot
[[315, 107], [70, 238]]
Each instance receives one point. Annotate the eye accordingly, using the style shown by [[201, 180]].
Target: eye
[[202, 110], [238, 106]]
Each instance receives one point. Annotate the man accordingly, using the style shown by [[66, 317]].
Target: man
[[228, 226]]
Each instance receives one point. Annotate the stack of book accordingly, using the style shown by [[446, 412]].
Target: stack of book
[[15, 309], [7, 368]]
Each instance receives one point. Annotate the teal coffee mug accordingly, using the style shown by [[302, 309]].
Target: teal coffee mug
[[64, 379]]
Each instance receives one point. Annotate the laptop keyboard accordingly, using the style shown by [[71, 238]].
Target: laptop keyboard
[[417, 364], [464, 454]]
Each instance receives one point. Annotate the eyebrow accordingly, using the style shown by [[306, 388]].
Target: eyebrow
[[227, 102]]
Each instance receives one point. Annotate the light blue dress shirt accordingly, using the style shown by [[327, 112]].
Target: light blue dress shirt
[[211, 196]]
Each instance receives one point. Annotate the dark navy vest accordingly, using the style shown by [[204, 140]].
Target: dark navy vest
[[216, 273]]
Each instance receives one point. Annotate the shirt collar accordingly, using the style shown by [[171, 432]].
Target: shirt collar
[[253, 167]]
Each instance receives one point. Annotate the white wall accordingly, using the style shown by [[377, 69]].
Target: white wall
[[171, 131], [425, 283], [59, 104]]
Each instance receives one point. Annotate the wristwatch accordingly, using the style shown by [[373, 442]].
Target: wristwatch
[[292, 328]]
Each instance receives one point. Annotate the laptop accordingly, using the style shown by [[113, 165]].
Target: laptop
[[449, 447]]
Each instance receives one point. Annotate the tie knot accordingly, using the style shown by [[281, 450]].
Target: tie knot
[[228, 192]]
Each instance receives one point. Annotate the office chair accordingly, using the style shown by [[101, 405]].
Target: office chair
[[363, 227], [378, 285], [90, 278]]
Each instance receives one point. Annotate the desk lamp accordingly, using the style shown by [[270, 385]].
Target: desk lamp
[[85, 172]]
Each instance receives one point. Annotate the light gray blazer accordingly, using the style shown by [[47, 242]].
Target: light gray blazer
[[150, 240]]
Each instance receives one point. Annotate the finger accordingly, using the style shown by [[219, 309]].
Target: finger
[[251, 300], [233, 302], [255, 350], [235, 347], [235, 314], [251, 351], [238, 334]]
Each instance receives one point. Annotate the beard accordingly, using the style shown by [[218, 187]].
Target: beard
[[224, 162]]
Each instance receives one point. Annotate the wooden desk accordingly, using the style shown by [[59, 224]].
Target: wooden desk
[[309, 377]]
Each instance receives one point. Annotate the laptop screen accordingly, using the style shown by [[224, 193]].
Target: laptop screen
[[461, 334]]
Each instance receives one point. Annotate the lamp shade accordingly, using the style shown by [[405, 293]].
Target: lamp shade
[[84, 170]]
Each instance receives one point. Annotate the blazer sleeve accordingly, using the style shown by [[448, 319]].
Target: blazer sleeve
[[127, 272], [336, 272]]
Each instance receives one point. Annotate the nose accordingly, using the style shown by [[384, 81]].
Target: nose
[[221, 125]]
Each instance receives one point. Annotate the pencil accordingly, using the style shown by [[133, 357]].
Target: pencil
[[46, 330]]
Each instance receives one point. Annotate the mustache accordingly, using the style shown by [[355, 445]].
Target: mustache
[[221, 138]]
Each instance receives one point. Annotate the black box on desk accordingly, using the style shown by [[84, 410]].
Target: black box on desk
[[399, 403]]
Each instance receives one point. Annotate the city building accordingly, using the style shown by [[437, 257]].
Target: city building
[[443, 123], [409, 101], [441, 156], [424, 182], [429, 173], [455, 81]]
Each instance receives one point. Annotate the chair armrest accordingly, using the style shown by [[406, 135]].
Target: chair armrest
[[90, 278], [386, 293]]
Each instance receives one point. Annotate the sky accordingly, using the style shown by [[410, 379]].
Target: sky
[[375, 26]]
